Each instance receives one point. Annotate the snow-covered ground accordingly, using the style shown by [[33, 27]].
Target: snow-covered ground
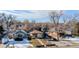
[[22, 45], [76, 38], [17, 44]]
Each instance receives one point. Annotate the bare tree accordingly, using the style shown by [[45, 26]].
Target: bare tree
[[73, 22], [66, 19], [54, 18], [7, 20]]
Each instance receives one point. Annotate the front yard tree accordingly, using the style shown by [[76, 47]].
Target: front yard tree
[[73, 22], [54, 18]]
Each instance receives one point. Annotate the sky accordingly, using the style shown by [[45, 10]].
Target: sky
[[37, 15]]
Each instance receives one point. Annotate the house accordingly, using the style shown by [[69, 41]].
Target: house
[[76, 29], [53, 35], [36, 33]]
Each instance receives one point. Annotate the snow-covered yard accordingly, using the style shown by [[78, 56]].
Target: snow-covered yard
[[17, 44], [76, 38]]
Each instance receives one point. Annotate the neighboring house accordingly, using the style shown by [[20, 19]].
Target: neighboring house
[[35, 33], [76, 29], [53, 33], [68, 32]]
